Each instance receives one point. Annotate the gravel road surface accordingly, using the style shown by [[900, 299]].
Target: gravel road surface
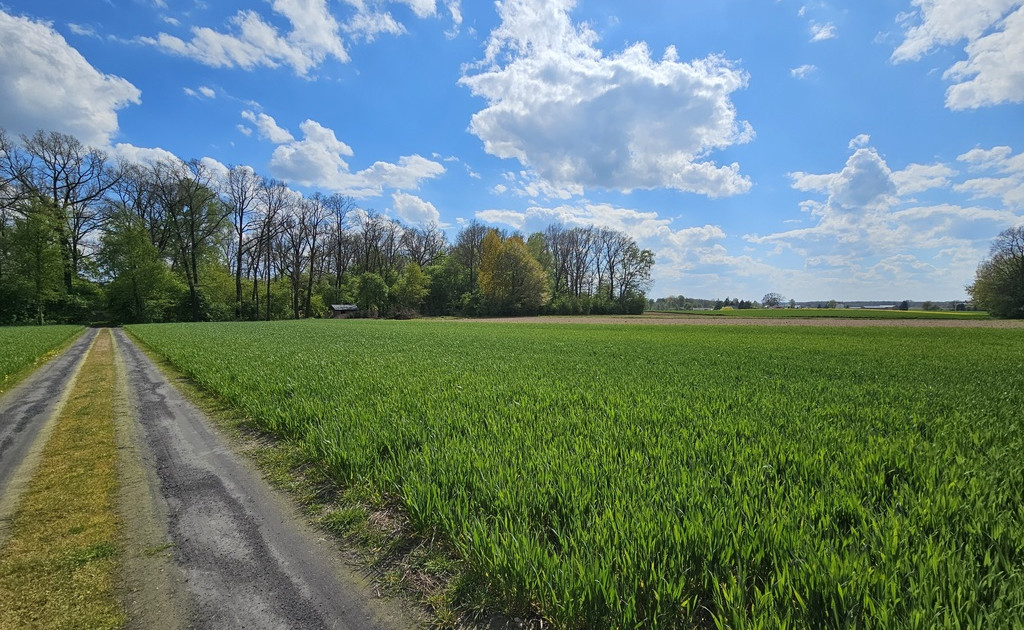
[[26, 412], [246, 559]]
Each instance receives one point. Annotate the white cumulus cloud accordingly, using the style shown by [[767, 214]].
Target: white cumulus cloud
[[868, 232], [422, 8], [367, 25], [507, 217], [861, 140], [1002, 175], [414, 210], [993, 72], [319, 159], [268, 127], [580, 118], [252, 40], [252, 43], [50, 85], [944, 22], [142, 155], [921, 177]]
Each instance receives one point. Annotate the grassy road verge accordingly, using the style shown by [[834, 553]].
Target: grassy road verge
[[58, 568]]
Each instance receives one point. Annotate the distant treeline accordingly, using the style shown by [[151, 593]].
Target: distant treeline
[[681, 303], [84, 239]]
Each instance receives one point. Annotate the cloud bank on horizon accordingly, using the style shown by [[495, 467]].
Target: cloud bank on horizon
[[815, 150]]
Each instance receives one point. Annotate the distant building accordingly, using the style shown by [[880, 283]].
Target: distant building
[[343, 311]]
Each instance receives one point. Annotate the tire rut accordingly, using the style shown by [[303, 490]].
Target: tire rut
[[26, 412], [246, 559]]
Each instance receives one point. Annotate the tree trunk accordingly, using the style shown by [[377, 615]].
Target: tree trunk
[[137, 299], [238, 280], [193, 293], [268, 279]]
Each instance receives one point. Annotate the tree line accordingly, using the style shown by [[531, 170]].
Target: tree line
[[998, 285], [682, 303], [85, 238]]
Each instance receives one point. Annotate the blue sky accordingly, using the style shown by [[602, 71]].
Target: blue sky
[[866, 150]]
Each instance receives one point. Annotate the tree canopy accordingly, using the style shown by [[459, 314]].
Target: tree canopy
[[84, 238], [512, 281], [999, 282]]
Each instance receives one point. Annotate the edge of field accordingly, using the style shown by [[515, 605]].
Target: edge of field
[[660, 318], [831, 313], [10, 381], [367, 526]]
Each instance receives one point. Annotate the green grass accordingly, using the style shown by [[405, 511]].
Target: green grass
[[24, 347], [59, 568], [661, 476], [848, 313]]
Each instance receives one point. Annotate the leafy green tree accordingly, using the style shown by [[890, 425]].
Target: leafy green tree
[[317, 306], [372, 294], [999, 282], [218, 287], [634, 274], [538, 247], [411, 288], [448, 281], [343, 293], [8, 295], [38, 267], [490, 247], [511, 281], [141, 288]]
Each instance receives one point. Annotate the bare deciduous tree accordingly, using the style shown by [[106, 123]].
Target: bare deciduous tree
[[70, 180], [242, 186], [274, 200], [137, 192], [340, 207], [425, 245], [195, 214], [468, 246]]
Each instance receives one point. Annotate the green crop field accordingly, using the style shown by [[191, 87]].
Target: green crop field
[[667, 476], [22, 346], [841, 313]]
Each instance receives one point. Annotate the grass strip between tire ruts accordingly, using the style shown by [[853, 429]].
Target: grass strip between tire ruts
[[59, 567]]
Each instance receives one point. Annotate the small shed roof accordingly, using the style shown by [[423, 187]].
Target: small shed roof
[[344, 307]]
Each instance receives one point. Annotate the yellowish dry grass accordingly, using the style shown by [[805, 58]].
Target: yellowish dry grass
[[58, 569]]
